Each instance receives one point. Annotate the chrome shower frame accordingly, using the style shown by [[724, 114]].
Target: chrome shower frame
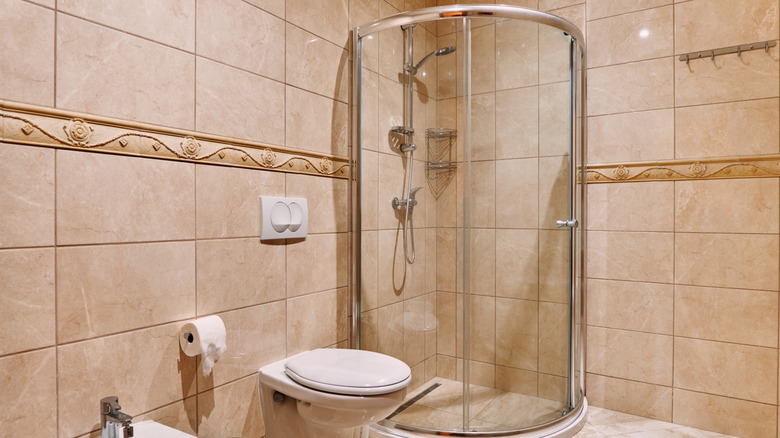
[[575, 223]]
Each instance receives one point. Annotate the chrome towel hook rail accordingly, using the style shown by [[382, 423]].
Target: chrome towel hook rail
[[687, 57]]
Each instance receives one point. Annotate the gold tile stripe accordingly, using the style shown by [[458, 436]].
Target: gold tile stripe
[[681, 170], [41, 126]]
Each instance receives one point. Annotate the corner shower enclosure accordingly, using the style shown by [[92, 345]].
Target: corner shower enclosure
[[468, 266]]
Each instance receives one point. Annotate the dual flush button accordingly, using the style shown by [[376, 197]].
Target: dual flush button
[[283, 218]]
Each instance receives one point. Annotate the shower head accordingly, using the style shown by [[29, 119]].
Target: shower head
[[439, 52]]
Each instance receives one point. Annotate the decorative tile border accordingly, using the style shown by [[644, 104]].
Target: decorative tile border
[[680, 170], [41, 126]]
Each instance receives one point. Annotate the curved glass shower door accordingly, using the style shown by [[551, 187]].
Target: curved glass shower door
[[468, 141]]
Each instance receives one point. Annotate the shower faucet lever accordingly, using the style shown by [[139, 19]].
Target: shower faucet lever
[[567, 224]]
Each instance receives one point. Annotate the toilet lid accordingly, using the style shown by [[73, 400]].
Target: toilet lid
[[351, 372]]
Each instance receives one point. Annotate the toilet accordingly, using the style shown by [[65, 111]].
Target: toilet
[[330, 393]]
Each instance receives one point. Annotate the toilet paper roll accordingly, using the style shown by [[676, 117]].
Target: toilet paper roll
[[204, 336]]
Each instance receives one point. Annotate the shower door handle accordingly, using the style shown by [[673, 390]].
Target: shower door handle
[[567, 224]]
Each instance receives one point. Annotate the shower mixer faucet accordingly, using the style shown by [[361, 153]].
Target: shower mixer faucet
[[113, 422], [408, 203]]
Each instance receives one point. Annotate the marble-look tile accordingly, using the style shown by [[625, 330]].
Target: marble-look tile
[[93, 60], [646, 257], [369, 189], [445, 259], [554, 54], [554, 181], [369, 255], [519, 410], [553, 335], [327, 201], [483, 194], [157, 201], [517, 54], [113, 288], [328, 19], [483, 59], [517, 264], [719, 368], [703, 25], [390, 330], [228, 104], [575, 14], [316, 65], [316, 123], [483, 261], [231, 410], [145, 368], [362, 12], [27, 42], [643, 399], [228, 200], [636, 36], [554, 103], [29, 381], [241, 35], [517, 323], [517, 380], [171, 23], [631, 207], [637, 86], [446, 311], [483, 329], [728, 315], [608, 8], [724, 414], [27, 196], [643, 357], [729, 129], [483, 126], [645, 307], [517, 121], [181, 416], [256, 336], [228, 274], [318, 263], [754, 75], [747, 261], [517, 186], [636, 136], [554, 256], [27, 304], [447, 70], [753, 206], [552, 387], [414, 330], [548, 5]]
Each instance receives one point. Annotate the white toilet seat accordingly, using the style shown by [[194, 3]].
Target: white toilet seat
[[349, 372]]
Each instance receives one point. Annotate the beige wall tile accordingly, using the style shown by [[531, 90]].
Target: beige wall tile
[[316, 123], [27, 40], [181, 415], [157, 201], [607, 8], [517, 329], [27, 308], [327, 201], [704, 25], [517, 264], [554, 58], [548, 5], [483, 126], [328, 19], [92, 61], [517, 185], [241, 35], [552, 387], [729, 315], [636, 398], [483, 194], [446, 311], [171, 23], [516, 380], [752, 205], [256, 336], [228, 200], [369, 256], [27, 196], [724, 415], [719, 368], [231, 410], [644, 257], [638, 136], [517, 54], [554, 256], [162, 375], [643, 357], [414, 325], [517, 121], [369, 190], [394, 274], [754, 75], [390, 333], [320, 262], [483, 59], [645, 307], [483, 261], [631, 37], [362, 12], [727, 260], [553, 338], [575, 15], [631, 207], [316, 65], [483, 329], [729, 129], [229, 103], [554, 102], [112, 288], [554, 179], [445, 260], [229, 273], [637, 86], [29, 382]]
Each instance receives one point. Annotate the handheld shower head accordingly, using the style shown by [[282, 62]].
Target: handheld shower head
[[438, 52]]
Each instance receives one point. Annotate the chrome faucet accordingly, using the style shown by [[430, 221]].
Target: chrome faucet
[[407, 203], [113, 422]]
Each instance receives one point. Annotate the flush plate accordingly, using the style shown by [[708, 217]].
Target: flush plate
[[283, 218]]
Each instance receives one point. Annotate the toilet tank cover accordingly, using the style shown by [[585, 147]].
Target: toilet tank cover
[[352, 372]]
